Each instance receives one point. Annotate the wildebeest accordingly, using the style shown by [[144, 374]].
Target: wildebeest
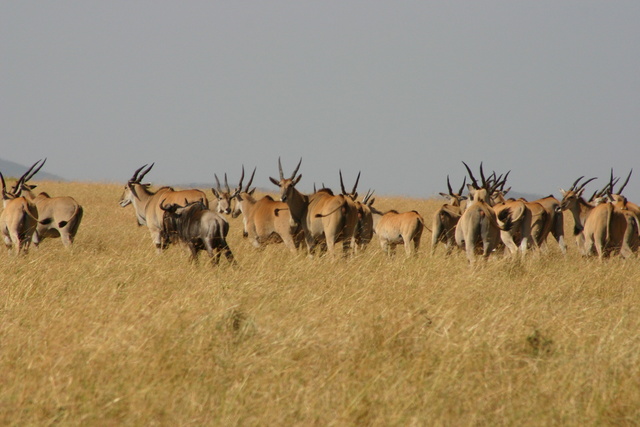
[[197, 227]]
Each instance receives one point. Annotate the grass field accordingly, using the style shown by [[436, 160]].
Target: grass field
[[111, 333]]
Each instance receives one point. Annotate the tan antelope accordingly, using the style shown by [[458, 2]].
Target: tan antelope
[[555, 221], [364, 225], [57, 216], [605, 227], [224, 197], [446, 218], [325, 218], [478, 226], [147, 203], [198, 228], [529, 224], [265, 220], [364, 228], [394, 228], [18, 220]]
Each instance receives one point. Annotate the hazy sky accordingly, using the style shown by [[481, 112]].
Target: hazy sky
[[401, 90]]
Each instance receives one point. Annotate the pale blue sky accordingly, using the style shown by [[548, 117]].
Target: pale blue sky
[[402, 90]]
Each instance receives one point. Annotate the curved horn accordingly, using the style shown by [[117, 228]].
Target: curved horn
[[573, 186], [4, 187], [146, 171], [217, 182], [625, 183], [293, 175], [367, 196], [585, 183], [27, 178], [342, 183], [280, 169], [355, 186], [475, 183], [226, 183], [464, 181], [241, 179], [484, 181], [134, 178], [250, 179]]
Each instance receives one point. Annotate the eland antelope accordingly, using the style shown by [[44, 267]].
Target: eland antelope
[[325, 218], [394, 228], [265, 220], [478, 226], [224, 197], [57, 216], [18, 220], [446, 218], [147, 203], [604, 228]]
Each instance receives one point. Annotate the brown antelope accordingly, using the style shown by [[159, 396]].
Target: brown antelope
[[605, 227], [478, 226], [57, 216], [394, 228], [555, 221], [364, 228], [446, 218], [324, 218], [147, 203], [265, 220], [197, 227], [224, 196], [18, 220], [529, 221]]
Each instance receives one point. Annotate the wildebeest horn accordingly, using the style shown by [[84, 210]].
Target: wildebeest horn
[[475, 182], [146, 171]]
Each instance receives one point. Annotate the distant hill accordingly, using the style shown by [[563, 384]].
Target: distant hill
[[15, 170]]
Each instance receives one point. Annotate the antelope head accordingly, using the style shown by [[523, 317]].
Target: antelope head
[[354, 194], [239, 193], [455, 198], [571, 196], [224, 196], [286, 184], [130, 187]]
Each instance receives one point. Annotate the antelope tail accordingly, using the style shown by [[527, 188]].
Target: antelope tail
[[505, 222], [608, 235]]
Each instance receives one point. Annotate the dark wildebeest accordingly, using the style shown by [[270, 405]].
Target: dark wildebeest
[[197, 227]]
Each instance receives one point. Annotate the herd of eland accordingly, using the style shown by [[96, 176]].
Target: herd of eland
[[482, 222]]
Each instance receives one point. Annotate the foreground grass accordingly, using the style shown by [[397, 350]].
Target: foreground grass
[[112, 333]]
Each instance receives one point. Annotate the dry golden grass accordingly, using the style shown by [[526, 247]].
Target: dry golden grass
[[111, 333]]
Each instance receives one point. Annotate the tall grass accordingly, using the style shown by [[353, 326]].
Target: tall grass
[[112, 333]]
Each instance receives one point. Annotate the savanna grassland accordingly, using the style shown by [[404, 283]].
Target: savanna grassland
[[112, 333]]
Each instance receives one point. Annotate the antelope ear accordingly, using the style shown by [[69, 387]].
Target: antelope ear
[[252, 191], [563, 192], [274, 181], [215, 193], [297, 180], [445, 195], [463, 198], [579, 193], [470, 187]]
